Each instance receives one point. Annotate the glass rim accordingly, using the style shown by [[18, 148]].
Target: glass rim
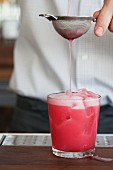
[[50, 97]]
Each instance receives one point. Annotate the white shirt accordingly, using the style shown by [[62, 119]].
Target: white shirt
[[41, 56]]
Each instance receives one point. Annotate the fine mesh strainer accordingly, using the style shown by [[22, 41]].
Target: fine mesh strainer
[[70, 27]]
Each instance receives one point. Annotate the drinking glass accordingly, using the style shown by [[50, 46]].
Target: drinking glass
[[73, 125]]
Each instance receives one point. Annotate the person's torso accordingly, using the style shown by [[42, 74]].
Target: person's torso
[[42, 56]]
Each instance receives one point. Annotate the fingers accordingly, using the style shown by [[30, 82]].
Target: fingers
[[104, 18], [96, 14], [111, 26]]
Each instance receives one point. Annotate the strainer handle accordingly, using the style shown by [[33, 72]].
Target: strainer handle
[[94, 19], [49, 16]]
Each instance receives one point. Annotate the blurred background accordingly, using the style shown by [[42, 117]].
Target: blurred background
[[9, 30]]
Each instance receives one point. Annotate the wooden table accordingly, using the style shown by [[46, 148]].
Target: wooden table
[[41, 158]]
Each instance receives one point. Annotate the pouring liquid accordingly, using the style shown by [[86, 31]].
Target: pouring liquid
[[70, 49], [68, 13]]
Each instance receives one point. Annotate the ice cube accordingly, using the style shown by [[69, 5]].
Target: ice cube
[[69, 93], [79, 104], [85, 93], [92, 95], [89, 101]]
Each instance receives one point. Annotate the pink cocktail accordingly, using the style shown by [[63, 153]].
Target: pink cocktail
[[73, 122]]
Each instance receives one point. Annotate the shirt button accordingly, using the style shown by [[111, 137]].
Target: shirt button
[[85, 57]]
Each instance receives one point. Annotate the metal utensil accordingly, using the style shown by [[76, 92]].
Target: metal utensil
[[70, 27]]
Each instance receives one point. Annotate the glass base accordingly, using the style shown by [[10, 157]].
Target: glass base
[[89, 153]]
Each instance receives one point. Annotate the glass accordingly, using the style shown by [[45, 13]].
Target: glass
[[73, 124]]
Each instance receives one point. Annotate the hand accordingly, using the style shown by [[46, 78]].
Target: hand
[[104, 18]]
